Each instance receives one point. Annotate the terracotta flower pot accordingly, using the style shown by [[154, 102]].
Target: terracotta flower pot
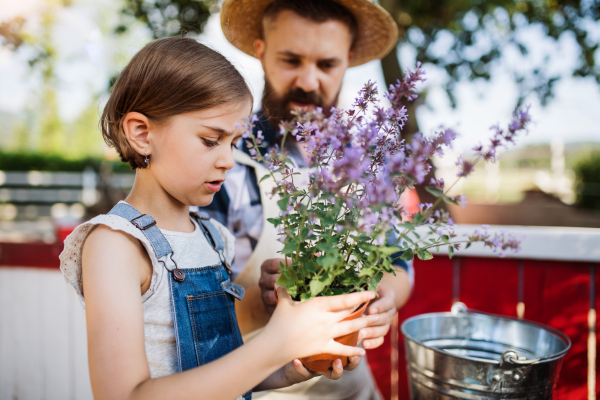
[[322, 362]]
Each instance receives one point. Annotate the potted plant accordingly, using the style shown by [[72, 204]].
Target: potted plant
[[343, 228]]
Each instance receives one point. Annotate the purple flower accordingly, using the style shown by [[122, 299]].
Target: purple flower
[[464, 167]]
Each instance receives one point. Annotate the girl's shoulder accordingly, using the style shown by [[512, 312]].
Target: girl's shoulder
[[113, 227]]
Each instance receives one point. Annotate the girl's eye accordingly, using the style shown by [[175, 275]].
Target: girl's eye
[[210, 143]]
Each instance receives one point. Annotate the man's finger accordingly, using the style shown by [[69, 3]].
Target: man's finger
[[383, 304], [272, 266], [352, 363], [336, 370], [301, 369], [374, 332], [372, 343], [269, 298]]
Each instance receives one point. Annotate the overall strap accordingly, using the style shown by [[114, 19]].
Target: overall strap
[[212, 235], [147, 225]]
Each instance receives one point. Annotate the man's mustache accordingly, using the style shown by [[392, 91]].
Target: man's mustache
[[298, 95]]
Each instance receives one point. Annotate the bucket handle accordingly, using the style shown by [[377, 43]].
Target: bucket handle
[[458, 308]]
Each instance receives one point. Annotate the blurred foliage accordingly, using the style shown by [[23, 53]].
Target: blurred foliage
[[465, 37], [11, 33], [10, 161], [170, 17], [587, 173]]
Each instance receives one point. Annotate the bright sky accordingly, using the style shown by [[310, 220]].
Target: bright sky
[[87, 58]]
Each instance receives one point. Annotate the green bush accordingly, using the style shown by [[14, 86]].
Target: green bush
[[587, 173], [39, 162]]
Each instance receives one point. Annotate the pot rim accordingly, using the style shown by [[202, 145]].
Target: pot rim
[[549, 358]]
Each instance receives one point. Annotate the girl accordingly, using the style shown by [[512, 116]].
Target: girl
[[155, 278]]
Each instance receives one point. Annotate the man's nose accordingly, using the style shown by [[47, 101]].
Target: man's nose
[[308, 79]]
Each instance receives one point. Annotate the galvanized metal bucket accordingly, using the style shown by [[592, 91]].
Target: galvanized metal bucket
[[469, 355]]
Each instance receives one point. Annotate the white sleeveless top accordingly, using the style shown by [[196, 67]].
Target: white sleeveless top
[[191, 250]]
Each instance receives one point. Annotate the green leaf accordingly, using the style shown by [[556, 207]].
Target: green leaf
[[446, 239], [407, 255], [327, 261], [434, 191], [407, 225], [327, 247], [450, 251], [450, 200], [318, 284], [289, 248], [386, 251], [287, 279], [375, 281], [274, 221], [316, 287], [424, 255], [264, 177], [310, 266], [283, 203]]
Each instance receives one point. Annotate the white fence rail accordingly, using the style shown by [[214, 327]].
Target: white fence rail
[[43, 347]]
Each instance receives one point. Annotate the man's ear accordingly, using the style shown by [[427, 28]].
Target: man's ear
[[259, 50], [136, 127]]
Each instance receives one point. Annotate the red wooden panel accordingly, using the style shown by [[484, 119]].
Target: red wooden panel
[[39, 255], [559, 293], [432, 293], [490, 285]]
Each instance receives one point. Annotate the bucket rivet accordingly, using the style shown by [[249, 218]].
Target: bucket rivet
[[516, 377], [497, 378]]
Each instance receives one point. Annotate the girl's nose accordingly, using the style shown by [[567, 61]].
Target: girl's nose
[[226, 160]]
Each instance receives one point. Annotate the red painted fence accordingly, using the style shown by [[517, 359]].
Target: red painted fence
[[555, 293]]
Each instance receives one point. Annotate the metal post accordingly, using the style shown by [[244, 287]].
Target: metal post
[[521, 294], [394, 358], [592, 336], [456, 280]]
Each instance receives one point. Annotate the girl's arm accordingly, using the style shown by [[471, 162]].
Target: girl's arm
[[112, 282]]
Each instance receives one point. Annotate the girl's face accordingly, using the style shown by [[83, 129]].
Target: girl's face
[[192, 152]]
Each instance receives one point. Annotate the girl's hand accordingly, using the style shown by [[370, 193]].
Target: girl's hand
[[307, 328]]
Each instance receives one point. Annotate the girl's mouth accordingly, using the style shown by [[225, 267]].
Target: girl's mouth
[[214, 186]]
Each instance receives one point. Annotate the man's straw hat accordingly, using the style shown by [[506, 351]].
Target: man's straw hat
[[241, 21]]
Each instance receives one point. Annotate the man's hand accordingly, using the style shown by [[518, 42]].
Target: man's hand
[[385, 306], [269, 272], [295, 372]]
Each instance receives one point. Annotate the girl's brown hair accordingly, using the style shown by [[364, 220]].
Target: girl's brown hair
[[168, 77]]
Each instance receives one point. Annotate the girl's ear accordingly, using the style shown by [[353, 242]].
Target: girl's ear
[[136, 127]]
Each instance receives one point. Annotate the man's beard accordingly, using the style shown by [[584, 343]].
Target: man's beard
[[279, 109]]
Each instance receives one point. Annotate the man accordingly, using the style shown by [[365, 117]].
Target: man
[[305, 47]]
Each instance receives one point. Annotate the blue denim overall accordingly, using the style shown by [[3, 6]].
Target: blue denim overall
[[203, 298]]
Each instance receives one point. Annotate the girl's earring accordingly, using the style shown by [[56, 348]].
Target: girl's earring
[[145, 157]]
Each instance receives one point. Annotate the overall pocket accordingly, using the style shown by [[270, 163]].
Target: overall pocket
[[213, 325]]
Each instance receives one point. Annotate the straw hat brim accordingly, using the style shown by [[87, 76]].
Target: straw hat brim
[[241, 21]]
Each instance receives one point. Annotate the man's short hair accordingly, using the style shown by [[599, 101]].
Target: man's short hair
[[314, 10]]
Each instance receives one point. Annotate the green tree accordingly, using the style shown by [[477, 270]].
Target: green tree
[[587, 172]]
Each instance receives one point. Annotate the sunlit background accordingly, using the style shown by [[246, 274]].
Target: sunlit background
[[58, 59]]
